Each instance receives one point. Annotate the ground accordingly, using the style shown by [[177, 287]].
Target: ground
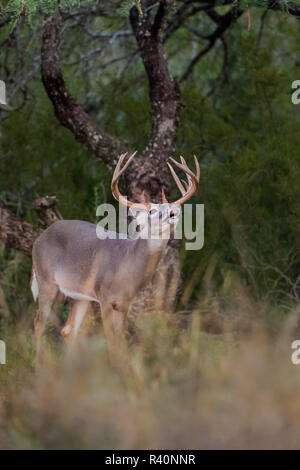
[[181, 388]]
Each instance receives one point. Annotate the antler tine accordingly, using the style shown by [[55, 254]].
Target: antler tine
[[114, 184], [177, 180], [118, 166], [187, 186], [183, 160], [187, 175], [163, 197], [197, 168], [196, 165], [191, 185], [120, 161], [128, 162], [118, 170], [184, 168]]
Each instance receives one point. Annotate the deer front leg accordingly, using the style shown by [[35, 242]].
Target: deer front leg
[[75, 318]]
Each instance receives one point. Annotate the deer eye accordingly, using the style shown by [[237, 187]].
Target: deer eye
[[153, 211]]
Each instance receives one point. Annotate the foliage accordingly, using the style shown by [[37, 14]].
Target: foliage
[[247, 136], [125, 7], [241, 123], [180, 390], [192, 371], [243, 4], [33, 8]]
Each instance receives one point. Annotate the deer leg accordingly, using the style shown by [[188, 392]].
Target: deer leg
[[119, 324], [75, 318], [54, 317], [107, 322], [47, 296], [114, 321]]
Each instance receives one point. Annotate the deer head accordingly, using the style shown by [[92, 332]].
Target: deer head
[[157, 220]]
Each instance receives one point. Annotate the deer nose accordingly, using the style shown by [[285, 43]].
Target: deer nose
[[173, 213]]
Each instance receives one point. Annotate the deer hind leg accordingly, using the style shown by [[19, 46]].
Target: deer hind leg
[[47, 295], [114, 324], [119, 324], [75, 318]]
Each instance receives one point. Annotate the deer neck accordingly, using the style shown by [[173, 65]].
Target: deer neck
[[155, 246], [152, 252]]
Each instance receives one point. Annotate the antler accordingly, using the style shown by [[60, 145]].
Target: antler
[[188, 190], [191, 186], [114, 184]]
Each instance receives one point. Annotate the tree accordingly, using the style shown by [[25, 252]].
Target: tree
[[152, 25]]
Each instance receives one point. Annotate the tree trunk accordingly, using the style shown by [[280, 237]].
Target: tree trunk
[[148, 173]]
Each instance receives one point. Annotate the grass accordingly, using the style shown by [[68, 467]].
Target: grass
[[183, 388]]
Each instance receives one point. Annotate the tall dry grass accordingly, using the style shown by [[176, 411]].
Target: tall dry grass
[[180, 388]]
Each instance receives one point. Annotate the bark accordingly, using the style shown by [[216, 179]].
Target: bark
[[150, 173], [67, 110], [16, 233], [19, 234]]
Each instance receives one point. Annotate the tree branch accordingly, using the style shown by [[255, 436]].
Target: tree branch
[[19, 234], [165, 103], [195, 60], [5, 20], [67, 110], [290, 7], [223, 23]]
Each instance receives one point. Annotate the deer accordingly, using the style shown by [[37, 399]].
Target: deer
[[69, 258]]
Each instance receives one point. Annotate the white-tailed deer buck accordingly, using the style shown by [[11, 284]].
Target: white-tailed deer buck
[[69, 257]]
